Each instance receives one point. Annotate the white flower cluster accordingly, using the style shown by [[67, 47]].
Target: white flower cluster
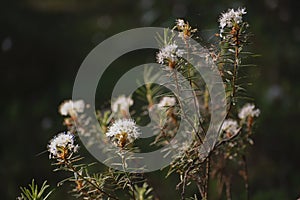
[[170, 53], [230, 126], [180, 23], [123, 130], [231, 17], [184, 29], [61, 144], [71, 108], [166, 102], [122, 103], [248, 110]]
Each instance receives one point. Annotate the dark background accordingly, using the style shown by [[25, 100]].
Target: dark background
[[44, 42]]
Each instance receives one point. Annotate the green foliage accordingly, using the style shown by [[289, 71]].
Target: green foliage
[[143, 192], [34, 193]]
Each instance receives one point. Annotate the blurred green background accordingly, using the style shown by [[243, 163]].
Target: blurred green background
[[43, 43]]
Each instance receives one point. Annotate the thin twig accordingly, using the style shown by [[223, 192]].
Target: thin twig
[[70, 166], [198, 183], [181, 105], [184, 182], [196, 103]]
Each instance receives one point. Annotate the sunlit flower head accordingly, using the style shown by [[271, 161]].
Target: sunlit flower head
[[169, 54], [230, 127], [122, 103], [230, 18], [249, 110], [71, 108], [123, 131], [62, 145], [180, 23], [166, 102], [185, 30]]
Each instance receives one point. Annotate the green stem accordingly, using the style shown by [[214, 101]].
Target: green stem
[[195, 99], [235, 68], [246, 179], [235, 72], [127, 176], [207, 168], [181, 106], [228, 188]]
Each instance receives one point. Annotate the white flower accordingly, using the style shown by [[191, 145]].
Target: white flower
[[62, 145], [166, 102], [185, 30], [71, 108], [180, 23], [170, 53], [123, 131], [230, 126], [231, 17], [122, 103], [248, 110]]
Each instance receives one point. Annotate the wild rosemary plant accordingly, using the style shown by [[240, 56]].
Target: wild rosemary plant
[[224, 162], [34, 193]]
